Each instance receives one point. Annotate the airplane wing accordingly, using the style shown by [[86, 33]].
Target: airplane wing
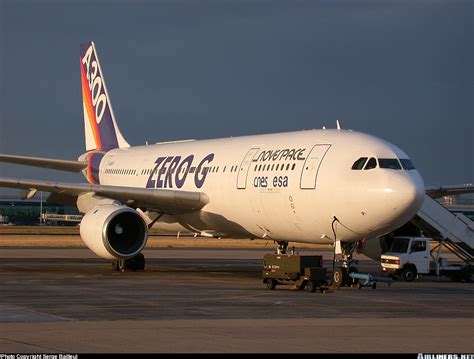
[[436, 192], [167, 201], [62, 165]]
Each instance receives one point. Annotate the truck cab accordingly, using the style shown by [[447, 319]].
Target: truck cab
[[410, 256], [407, 257]]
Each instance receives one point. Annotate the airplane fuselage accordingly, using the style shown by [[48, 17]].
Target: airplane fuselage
[[284, 187]]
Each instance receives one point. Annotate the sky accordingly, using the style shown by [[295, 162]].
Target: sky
[[399, 70]]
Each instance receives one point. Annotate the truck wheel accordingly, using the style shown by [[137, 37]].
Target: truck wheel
[[271, 284], [310, 287], [409, 274], [339, 277]]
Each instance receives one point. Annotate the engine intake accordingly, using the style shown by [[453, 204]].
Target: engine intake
[[114, 232]]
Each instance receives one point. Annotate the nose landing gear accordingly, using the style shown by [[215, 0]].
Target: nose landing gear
[[340, 275]]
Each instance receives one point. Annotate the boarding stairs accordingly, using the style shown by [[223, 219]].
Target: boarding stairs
[[453, 230]]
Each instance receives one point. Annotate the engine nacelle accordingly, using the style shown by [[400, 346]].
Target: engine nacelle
[[114, 232], [371, 248]]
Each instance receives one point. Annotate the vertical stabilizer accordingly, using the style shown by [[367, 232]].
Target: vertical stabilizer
[[101, 130]]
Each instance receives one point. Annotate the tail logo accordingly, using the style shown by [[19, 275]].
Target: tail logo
[[99, 99], [101, 130]]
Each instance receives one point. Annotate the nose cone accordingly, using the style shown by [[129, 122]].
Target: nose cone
[[405, 193]]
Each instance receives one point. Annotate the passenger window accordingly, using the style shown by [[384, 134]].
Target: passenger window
[[407, 164], [359, 164], [390, 163], [372, 163]]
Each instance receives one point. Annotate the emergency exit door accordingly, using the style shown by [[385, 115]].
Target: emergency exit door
[[309, 174]]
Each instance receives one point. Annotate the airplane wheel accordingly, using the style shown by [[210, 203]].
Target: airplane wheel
[[134, 264], [138, 262], [115, 265], [339, 277], [121, 265]]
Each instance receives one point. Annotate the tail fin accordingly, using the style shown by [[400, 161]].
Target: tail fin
[[101, 130]]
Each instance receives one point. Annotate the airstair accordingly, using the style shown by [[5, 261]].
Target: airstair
[[453, 230]]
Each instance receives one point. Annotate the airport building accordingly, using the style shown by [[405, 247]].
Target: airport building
[[460, 204], [29, 212]]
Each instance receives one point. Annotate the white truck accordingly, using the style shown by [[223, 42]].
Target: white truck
[[410, 256]]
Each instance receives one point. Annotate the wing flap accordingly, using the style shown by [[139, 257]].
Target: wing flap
[[168, 201]]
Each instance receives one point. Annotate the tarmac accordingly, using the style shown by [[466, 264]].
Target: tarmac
[[66, 300]]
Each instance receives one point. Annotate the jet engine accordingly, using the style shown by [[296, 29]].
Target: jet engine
[[114, 231], [372, 248]]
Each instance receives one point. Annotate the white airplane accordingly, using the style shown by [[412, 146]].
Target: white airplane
[[321, 186]]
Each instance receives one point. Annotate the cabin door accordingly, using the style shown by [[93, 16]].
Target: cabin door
[[244, 168], [309, 174]]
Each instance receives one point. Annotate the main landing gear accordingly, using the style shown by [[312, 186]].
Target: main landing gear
[[342, 268], [133, 264]]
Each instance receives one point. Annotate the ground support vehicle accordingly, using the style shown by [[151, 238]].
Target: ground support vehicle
[[412, 256], [304, 271], [368, 279]]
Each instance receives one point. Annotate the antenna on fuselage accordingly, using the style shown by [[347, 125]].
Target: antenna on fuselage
[[338, 125]]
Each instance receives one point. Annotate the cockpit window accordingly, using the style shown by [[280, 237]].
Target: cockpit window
[[391, 163], [372, 163], [407, 164], [359, 164]]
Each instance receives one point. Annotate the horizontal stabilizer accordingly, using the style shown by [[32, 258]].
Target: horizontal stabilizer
[[61, 165]]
